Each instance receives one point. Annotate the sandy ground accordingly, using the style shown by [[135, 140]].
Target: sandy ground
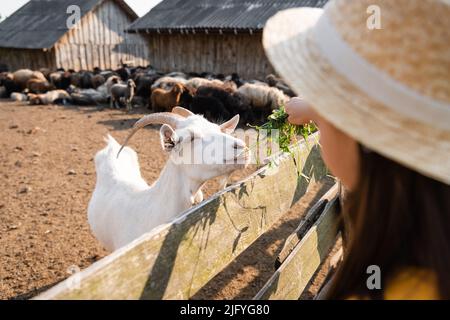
[[47, 176]]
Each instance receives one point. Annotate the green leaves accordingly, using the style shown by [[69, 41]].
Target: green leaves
[[288, 133]]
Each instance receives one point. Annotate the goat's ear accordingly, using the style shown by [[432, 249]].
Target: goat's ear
[[168, 137], [229, 126]]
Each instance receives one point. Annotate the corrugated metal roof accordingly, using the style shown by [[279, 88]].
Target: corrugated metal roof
[[213, 14], [40, 24]]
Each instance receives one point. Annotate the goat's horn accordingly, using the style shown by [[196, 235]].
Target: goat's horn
[[182, 112], [171, 119]]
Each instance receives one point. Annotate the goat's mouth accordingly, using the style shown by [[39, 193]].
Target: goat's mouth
[[243, 159]]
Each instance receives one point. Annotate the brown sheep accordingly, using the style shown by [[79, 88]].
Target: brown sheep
[[21, 77], [39, 86], [165, 100]]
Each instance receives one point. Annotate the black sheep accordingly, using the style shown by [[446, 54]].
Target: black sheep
[[217, 103], [194, 75], [124, 73], [9, 85], [63, 81], [187, 97], [86, 80], [220, 77], [144, 84], [4, 68], [232, 102], [212, 108], [97, 70], [236, 79], [273, 81]]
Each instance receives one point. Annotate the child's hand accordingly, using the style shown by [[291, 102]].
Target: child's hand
[[300, 112]]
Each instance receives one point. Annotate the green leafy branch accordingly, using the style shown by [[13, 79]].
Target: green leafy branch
[[287, 132]]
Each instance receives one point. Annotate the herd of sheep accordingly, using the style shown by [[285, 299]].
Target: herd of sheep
[[216, 96]]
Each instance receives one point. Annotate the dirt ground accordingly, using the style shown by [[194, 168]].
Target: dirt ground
[[47, 176]]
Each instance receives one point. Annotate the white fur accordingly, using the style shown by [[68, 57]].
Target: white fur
[[17, 96], [198, 82], [262, 96], [106, 87], [123, 206], [167, 83], [49, 97]]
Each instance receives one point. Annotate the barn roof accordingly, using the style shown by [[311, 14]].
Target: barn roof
[[213, 15], [39, 24]]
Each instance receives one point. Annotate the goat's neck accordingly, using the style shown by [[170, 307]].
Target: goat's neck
[[176, 188]]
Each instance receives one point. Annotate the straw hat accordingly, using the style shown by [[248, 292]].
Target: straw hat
[[388, 88]]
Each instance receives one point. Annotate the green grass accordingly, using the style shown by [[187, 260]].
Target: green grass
[[288, 133]]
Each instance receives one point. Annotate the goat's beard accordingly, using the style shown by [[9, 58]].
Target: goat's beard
[[223, 181]]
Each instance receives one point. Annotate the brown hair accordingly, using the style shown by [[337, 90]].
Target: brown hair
[[396, 218]]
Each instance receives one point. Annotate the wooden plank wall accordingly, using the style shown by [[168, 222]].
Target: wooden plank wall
[[99, 40], [24, 58], [226, 53]]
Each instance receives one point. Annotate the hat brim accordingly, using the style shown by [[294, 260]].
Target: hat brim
[[288, 41]]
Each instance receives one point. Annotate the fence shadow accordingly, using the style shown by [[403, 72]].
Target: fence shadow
[[258, 254], [159, 276]]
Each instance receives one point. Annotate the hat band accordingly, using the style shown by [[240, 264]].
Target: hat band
[[375, 83]]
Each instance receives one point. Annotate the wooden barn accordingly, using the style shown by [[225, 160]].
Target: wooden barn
[[37, 36], [210, 35]]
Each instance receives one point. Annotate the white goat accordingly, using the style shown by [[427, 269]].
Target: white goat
[[123, 206]]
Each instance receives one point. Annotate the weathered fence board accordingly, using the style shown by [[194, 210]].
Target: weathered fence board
[[334, 263], [306, 223], [176, 260], [294, 274]]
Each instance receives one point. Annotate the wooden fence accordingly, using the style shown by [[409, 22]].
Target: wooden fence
[[176, 260]]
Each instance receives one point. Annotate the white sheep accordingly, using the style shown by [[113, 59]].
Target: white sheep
[[123, 206], [262, 96], [105, 89], [123, 93], [198, 82], [50, 97], [167, 83], [17, 96]]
